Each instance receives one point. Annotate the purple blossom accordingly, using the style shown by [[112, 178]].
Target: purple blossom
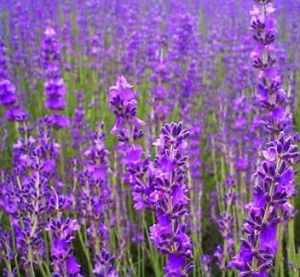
[[61, 231], [104, 265], [170, 201], [8, 96], [54, 86], [271, 195], [270, 94], [123, 102], [6, 252], [16, 114], [57, 121], [206, 265]]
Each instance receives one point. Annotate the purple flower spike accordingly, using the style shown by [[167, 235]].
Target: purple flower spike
[[16, 114], [123, 102], [275, 184], [8, 96], [275, 187], [159, 186], [170, 201], [270, 94], [206, 265], [104, 265], [6, 252], [54, 86], [57, 121], [61, 231]]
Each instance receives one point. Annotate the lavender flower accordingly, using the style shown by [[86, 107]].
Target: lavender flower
[[104, 265], [95, 191], [123, 102], [171, 201], [64, 262], [226, 223], [55, 89], [8, 96], [270, 94], [206, 265], [6, 252], [26, 194], [276, 186], [160, 78]]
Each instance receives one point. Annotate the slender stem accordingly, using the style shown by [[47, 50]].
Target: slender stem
[[15, 248], [278, 259], [86, 253], [30, 259]]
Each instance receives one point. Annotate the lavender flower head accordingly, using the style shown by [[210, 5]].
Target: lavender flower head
[[270, 94], [170, 201], [123, 101], [54, 86], [268, 209], [8, 96], [104, 265], [64, 262]]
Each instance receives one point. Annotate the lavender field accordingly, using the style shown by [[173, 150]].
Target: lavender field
[[149, 138]]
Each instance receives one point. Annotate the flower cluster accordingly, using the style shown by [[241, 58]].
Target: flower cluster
[[54, 87], [275, 177], [270, 94], [206, 265], [123, 101], [171, 201], [159, 186], [64, 262], [104, 265], [142, 181], [6, 252], [160, 78], [226, 223], [269, 207], [94, 190], [23, 198], [128, 125], [8, 95]]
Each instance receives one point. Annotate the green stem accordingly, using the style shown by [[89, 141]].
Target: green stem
[[42, 270], [30, 259], [86, 253], [15, 249], [292, 255], [279, 272]]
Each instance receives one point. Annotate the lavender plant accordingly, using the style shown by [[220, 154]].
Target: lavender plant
[[270, 207]]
